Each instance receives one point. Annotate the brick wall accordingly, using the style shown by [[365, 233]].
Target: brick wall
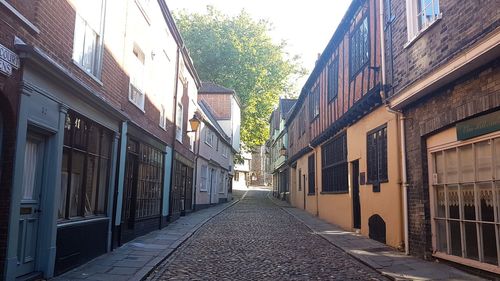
[[219, 103], [473, 94], [462, 25]]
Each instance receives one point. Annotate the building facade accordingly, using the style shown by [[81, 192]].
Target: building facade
[[88, 128], [443, 75], [339, 133], [214, 161], [277, 146]]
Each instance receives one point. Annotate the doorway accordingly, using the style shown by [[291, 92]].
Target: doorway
[[30, 205], [356, 205]]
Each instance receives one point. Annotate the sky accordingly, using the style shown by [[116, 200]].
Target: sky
[[306, 26]]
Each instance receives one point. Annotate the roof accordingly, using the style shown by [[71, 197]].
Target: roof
[[212, 88], [210, 115], [286, 105]]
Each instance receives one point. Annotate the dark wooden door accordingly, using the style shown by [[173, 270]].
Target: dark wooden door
[[176, 191], [130, 198], [356, 205]]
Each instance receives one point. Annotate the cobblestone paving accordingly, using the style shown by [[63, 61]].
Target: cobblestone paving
[[256, 240]]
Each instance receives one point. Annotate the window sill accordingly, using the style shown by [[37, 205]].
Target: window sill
[[311, 194], [138, 107], [333, 192], [203, 190], [421, 32], [97, 80], [80, 220]]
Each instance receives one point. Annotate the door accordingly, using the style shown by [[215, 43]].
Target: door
[[130, 196], [213, 186], [356, 205], [30, 204], [188, 190]]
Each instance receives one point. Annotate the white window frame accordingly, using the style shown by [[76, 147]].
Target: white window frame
[[179, 117], [96, 68], [221, 183], [204, 178], [224, 150], [135, 87], [209, 137], [414, 32], [163, 117], [434, 182]]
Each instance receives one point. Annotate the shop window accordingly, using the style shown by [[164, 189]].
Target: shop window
[[376, 143], [311, 174], [334, 165], [87, 40], [466, 192], [149, 182], [359, 48], [85, 168]]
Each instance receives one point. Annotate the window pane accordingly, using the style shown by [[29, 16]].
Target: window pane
[[91, 185], [440, 202], [486, 201], [30, 169], [451, 165], [76, 184], [103, 186], [94, 139], [64, 184], [79, 39], [468, 202], [497, 158], [466, 163], [489, 244], [441, 236], [453, 202], [439, 167], [497, 197], [483, 160], [471, 241], [455, 238]]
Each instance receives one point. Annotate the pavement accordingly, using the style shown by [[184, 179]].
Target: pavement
[[137, 258], [385, 260]]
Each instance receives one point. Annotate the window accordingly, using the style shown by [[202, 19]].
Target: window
[[137, 77], [149, 181], [209, 137], [178, 122], [300, 180], [333, 80], [311, 174], [224, 150], [204, 178], [466, 196], [291, 134], [302, 122], [314, 104], [359, 48], [87, 41], [163, 117], [376, 147], [221, 182], [85, 168], [420, 15], [334, 165], [237, 176]]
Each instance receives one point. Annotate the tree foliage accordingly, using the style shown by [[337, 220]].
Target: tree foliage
[[237, 52]]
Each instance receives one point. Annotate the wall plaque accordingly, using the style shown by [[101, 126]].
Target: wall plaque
[[478, 126], [8, 61]]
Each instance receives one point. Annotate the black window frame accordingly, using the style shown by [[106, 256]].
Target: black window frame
[[314, 104], [376, 157], [333, 80], [334, 165], [311, 185], [355, 65]]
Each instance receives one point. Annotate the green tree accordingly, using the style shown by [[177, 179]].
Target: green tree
[[237, 52]]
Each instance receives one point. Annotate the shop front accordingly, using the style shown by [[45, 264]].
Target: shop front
[[464, 182]]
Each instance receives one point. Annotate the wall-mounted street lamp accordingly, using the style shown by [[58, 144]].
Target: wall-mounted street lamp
[[195, 123]]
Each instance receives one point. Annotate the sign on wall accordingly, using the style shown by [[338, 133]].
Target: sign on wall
[[478, 126], [8, 61]]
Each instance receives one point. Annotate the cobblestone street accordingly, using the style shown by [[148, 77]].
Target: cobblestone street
[[256, 240]]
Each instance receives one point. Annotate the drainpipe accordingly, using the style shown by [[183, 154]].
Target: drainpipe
[[401, 119], [315, 181]]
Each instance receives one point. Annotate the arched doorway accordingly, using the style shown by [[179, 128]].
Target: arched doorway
[[377, 230]]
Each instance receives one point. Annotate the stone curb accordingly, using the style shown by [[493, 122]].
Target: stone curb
[[146, 270]]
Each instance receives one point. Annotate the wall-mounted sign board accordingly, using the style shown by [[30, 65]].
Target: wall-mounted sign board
[[478, 126], [8, 61]]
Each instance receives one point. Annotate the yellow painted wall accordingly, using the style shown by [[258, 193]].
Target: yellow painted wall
[[388, 202], [334, 208], [297, 197]]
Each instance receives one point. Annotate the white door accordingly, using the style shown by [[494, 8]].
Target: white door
[[29, 209]]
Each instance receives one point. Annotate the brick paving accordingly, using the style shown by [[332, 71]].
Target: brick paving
[[256, 240]]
